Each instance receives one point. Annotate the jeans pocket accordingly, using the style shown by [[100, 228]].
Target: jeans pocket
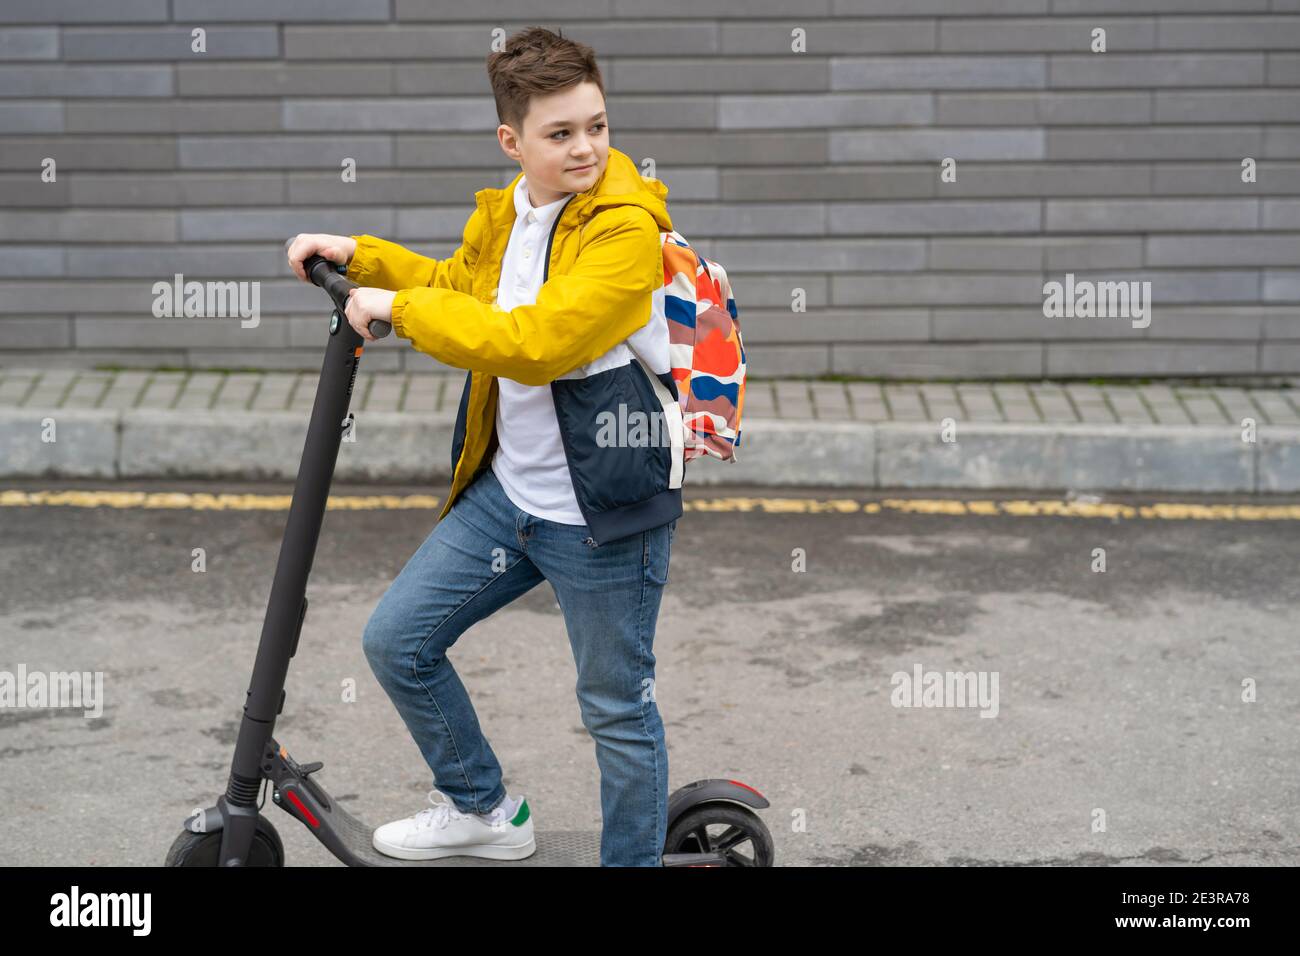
[[672, 532], [657, 551]]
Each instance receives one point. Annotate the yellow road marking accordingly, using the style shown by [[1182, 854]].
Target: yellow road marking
[[1019, 508], [203, 501]]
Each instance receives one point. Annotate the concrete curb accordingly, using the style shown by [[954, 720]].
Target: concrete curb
[[407, 447]]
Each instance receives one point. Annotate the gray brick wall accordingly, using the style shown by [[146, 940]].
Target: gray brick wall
[[810, 173]]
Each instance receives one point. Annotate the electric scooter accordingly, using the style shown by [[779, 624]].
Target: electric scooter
[[235, 833]]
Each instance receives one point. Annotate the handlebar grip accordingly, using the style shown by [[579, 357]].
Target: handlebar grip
[[325, 274]]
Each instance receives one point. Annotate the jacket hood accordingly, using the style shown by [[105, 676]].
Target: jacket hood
[[621, 184]]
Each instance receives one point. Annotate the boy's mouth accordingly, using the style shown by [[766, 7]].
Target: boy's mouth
[[582, 169]]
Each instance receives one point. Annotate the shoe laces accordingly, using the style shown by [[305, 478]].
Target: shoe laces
[[439, 815]]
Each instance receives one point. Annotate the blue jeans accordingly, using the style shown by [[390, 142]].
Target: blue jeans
[[610, 599]]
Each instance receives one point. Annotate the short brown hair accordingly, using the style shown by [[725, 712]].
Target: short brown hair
[[536, 61]]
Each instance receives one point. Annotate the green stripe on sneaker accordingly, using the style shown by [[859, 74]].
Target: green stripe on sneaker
[[521, 814]]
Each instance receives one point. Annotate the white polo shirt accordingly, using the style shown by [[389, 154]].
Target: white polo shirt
[[529, 460]]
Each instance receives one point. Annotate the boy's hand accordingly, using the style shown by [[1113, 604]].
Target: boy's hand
[[365, 305], [337, 249]]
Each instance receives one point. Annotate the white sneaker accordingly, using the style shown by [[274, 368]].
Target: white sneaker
[[444, 831]]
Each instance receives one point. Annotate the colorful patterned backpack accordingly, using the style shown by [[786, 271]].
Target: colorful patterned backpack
[[706, 353]]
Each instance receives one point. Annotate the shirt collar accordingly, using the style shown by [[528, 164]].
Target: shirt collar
[[543, 214]]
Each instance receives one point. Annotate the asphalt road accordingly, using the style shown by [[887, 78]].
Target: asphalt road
[[1120, 736]]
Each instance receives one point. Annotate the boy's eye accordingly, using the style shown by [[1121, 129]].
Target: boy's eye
[[559, 131]]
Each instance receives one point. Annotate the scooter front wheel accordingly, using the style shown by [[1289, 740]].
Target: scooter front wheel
[[202, 849], [738, 834]]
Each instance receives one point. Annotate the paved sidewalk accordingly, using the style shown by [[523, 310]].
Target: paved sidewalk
[[414, 392], [1037, 435]]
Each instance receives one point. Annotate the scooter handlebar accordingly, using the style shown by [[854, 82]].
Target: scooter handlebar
[[325, 274]]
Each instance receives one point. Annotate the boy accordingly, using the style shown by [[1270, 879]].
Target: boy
[[549, 304]]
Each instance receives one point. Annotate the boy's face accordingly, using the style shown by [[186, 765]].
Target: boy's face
[[562, 132]]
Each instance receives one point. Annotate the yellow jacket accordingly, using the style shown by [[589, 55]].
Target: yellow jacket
[[604, 263]]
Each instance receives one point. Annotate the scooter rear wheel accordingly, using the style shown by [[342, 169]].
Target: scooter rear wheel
[[737, 833], [202, 849]]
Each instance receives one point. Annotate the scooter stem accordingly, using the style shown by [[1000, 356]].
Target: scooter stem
[[287, 605]]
